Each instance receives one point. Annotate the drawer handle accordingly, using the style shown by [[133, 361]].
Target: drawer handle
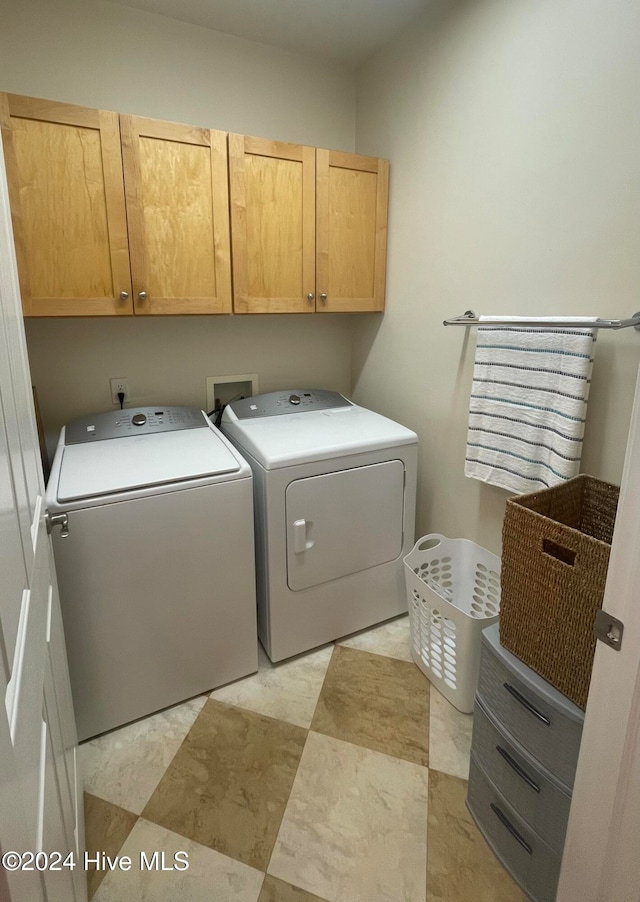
[[516, 767], [523, 701], [504, 820]]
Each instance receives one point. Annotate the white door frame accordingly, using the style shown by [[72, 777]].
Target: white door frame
[[601, 860]]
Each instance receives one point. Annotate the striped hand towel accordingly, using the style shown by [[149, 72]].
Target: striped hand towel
[[528, 404]]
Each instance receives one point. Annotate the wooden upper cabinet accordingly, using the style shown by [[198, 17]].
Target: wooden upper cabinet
[[351, 206], [272, 225], [67, 199], [309, 228], [120, 215], [178, 214]]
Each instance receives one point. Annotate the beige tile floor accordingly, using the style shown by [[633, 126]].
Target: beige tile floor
[[339, 776]]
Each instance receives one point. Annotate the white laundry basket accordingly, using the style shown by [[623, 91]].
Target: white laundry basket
[[453, 589]]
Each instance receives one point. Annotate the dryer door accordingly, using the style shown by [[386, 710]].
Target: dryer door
[[344, 522]]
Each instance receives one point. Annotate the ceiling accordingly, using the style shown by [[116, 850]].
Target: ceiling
[[347, 31]]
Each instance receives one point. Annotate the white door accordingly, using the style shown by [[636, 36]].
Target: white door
[[40, 797], [343, 522], [601, 861]]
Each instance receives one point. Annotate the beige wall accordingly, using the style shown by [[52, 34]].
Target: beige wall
[[104, 55], [513, 129], [168, 359]]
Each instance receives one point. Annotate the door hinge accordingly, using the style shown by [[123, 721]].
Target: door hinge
[[609, 629], [53, 520]]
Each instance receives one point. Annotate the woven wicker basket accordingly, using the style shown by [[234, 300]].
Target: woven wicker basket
[[555, 555]]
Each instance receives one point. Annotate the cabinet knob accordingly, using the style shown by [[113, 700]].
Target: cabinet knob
[[310, 296], [142, 295], [124, 295], [323, 296]]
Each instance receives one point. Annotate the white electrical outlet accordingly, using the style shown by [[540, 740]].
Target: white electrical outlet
[[119, 385]]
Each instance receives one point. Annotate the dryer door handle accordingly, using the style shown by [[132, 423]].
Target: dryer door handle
[[300, 541]]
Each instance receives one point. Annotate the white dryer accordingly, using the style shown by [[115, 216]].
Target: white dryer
[[156, 574], [334, 489]]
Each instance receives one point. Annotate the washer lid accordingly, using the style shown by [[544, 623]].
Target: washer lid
[[135, 462], [281, 441]]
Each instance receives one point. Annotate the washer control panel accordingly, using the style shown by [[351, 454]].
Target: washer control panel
[[279, 403], [140, 421]]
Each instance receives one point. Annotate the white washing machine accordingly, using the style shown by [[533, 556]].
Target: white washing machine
[[156, 574], [334, 489]]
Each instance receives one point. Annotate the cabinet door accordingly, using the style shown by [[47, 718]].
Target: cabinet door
[[352, 198], [272, 225], [64, 170], [178, 214]]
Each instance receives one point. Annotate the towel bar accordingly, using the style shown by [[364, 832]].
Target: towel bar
[[470, 319]]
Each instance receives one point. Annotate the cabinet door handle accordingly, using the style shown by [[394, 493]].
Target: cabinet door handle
[[142, 295], [504, 820], [323, 296], [516, 767], [124, 295], [527, 704]]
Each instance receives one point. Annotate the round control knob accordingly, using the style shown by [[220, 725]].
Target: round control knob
[[294, 399], [138, 419]]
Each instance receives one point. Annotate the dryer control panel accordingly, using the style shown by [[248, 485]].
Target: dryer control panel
[[279, 403], [135, 421]]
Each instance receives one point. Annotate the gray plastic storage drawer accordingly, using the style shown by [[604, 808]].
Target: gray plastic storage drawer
[[530, 861], [531, 790], [535, 714]]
